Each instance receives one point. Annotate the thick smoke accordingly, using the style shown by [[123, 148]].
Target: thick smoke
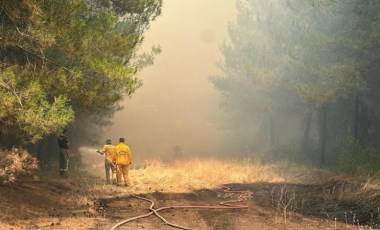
[[177, 105]]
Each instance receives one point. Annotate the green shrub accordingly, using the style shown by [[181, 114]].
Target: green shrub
[[359, 160]]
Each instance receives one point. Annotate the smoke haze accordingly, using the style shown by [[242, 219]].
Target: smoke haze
[[177, 105]]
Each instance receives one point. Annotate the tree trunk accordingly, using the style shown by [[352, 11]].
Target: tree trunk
[[322, 134], [364, 123], [306, 135], [355, 125], [272, 133], [47, 151]]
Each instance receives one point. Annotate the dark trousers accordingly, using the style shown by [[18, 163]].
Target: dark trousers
[[63, 161]]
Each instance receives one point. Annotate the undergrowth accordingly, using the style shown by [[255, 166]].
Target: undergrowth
[[359, 160], [14, 162]]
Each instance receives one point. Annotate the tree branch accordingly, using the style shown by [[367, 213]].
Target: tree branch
[[6, 86]]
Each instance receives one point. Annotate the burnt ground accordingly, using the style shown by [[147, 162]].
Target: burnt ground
[[333, 205], [55, 203]]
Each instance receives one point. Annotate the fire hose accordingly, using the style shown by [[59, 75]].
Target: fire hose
[[243, 195]]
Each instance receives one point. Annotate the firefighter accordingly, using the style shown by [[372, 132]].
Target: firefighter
[[109, 151], [123, 159], [63, 143]]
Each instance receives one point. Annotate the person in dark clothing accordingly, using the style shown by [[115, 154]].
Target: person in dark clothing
[[63, 143]]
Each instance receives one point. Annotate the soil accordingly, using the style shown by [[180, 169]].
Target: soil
[[71, 203]]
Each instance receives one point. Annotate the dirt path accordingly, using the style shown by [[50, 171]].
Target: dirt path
[[126, 207], [257, 216], [85, 203]]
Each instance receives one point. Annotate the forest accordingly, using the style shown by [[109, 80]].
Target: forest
[[300, 82], [297, 82]]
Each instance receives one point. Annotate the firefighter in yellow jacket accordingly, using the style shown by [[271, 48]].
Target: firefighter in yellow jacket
[[109, 152], [123, 159]]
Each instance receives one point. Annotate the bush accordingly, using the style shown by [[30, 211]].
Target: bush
[[282, 153], [14, 162], [359, 160]]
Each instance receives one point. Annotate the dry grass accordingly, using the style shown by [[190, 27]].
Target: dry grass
[[79, 193], [187, 175], [14, 162]]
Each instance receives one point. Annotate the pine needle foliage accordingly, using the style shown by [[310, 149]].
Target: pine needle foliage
[[61, 57]]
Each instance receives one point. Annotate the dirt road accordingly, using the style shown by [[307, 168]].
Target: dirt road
[[83, 201], [261, 213]]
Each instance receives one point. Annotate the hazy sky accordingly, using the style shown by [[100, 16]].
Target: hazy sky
[[177, 104]]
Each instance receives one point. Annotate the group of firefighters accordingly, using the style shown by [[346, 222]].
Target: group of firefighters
[[117, 160]]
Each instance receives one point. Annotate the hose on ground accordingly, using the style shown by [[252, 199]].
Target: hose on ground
[[231, 204]]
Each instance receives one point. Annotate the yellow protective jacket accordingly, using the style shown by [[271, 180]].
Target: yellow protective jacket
[[109, 151], [123, 155]]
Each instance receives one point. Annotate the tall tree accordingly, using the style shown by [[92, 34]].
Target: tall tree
[[256, 83], [58, 58], [303, 57], [336, 53]]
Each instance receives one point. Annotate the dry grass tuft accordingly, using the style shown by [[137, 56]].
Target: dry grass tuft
[[13, 162], [187, 175]]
